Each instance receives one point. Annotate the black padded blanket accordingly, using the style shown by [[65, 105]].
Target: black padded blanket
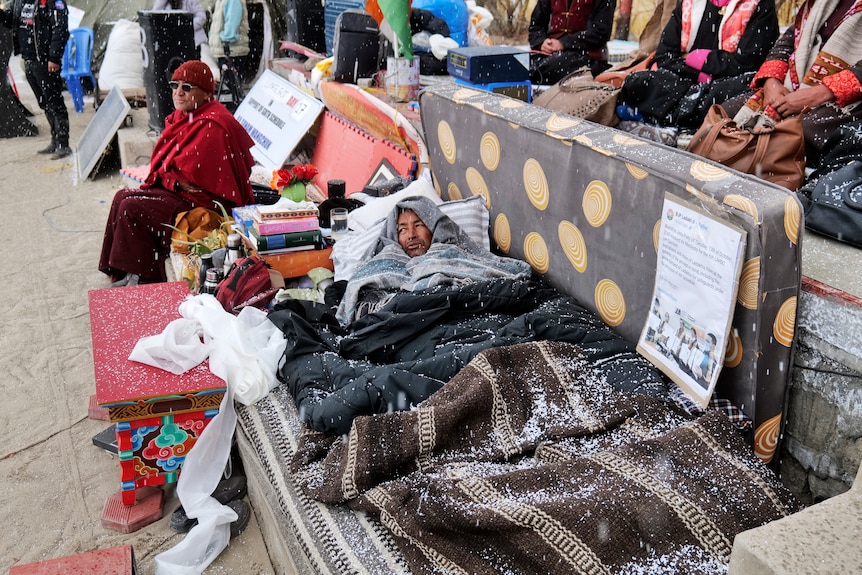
[[395, 358]]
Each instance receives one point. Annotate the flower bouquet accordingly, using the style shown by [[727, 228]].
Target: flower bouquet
[[291, 181]]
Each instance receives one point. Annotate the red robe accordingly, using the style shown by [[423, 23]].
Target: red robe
[[208, 149]]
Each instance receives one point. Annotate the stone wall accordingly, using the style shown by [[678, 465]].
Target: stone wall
[[822, 442]]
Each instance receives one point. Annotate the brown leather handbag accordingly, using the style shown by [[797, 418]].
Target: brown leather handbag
[[577, 94], [775, 154], [616, 75]]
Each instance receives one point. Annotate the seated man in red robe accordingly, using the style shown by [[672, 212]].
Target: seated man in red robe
[[203, 156]]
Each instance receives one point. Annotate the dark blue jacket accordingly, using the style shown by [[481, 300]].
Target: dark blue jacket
[[45, 40]]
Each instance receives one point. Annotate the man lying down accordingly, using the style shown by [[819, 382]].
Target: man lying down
[[427, 301]]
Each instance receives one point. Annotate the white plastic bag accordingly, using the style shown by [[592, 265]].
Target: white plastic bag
[[479, 20]]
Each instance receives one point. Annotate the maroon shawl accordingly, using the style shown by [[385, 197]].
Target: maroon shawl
[[208, 149]]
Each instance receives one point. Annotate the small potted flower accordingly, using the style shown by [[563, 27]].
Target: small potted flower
[[291, 181]]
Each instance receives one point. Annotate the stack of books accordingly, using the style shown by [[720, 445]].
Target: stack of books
[[280, 228]]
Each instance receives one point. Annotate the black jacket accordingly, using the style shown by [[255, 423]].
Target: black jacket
[[395, 358], [46, 40], [759, 36]]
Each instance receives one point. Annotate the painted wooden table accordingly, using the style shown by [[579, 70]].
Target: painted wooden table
[[158, 415]]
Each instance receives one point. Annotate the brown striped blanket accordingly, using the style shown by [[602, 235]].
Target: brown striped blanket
[[529, 462]]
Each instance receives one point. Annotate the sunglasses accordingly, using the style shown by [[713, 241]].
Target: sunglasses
[[185, 86]]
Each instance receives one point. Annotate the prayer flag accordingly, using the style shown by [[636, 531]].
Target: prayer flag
[[395, 14]]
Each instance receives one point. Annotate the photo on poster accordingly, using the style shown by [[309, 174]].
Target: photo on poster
[[697, 279]]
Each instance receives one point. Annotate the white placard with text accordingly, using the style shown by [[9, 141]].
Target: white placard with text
[[276, 114], [697, 279]]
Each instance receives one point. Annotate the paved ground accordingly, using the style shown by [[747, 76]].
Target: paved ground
[[55, 481]]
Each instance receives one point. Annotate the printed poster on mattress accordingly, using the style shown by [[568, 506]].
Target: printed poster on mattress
[[697, 279]]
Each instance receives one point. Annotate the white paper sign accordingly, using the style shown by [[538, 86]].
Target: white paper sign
[[697, 279], [276, 114]]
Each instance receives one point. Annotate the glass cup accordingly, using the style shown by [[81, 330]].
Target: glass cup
[[338, 223]]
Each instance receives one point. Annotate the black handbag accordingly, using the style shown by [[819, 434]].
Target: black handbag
[[833, 204]]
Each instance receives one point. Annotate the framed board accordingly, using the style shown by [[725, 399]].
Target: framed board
[[94, 142], [697, 280], [276, 114]]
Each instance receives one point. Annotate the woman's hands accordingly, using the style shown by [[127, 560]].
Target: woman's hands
[[551, 46], [788, 103]]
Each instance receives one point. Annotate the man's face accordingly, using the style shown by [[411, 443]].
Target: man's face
[[187, 97], [413, 235]]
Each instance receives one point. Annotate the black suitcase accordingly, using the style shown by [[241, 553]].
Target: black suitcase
[[355, 46]]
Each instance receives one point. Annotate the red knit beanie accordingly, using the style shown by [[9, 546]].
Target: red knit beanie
[[197, 73]]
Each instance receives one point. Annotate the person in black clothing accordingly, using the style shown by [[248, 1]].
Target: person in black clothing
[[41, 31], [565, 35], [709, 52]]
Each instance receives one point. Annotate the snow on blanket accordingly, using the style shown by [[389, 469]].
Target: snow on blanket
[[528, 462]]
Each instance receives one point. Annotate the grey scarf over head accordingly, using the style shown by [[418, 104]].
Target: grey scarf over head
[[453, 258]]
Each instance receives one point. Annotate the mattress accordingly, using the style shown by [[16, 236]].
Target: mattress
[[303, 536]]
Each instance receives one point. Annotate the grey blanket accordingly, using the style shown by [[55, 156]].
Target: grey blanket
[[452, 259]]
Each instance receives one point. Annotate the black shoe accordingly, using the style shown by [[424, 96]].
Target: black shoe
[[52, 147], [61, 152], [181, 523], [243, 514], [226, 491]]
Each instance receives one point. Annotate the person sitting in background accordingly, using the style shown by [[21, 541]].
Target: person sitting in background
[[814, 69], [199, 17], [566, 36], [708, 53], [202, 158]]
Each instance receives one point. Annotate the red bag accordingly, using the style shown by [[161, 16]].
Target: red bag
[[247, 283]]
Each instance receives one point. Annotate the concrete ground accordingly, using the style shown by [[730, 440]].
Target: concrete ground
[[55, 481]]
